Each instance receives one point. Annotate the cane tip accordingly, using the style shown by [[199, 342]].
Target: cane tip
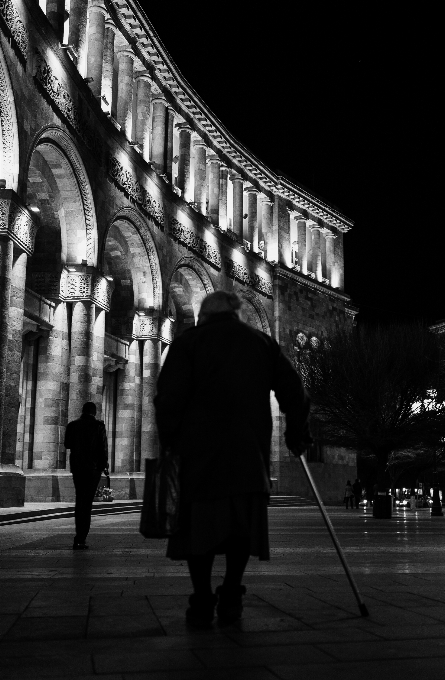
[[363, 609]]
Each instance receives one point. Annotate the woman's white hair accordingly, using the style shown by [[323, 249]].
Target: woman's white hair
[[218, 302]]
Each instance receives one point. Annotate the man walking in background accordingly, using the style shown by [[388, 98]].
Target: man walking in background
[[213, 411], [87, 440]]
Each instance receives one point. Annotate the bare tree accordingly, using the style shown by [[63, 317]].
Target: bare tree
[[374, 390]]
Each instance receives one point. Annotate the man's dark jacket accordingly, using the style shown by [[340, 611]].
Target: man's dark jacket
[[213, 406], [87, 440]]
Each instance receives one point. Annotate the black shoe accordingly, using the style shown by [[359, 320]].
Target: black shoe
[[201, 612], [230, 603], [79, 546]]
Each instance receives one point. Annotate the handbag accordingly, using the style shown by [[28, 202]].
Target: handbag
[[160, 505]]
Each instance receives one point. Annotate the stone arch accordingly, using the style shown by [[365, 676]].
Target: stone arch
[[54, 153], [129, 256], [253, 311], [9, 138], [189, 284], [130, 215]]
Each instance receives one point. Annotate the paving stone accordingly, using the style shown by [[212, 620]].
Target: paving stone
[[120, 626], [386, 649], [376, 670], [49, 628], [261, 657], [148, 661]]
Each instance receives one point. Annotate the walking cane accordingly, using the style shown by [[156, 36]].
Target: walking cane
[[327, 521]]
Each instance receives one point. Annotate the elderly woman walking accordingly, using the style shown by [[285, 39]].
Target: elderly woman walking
[[213, 411]]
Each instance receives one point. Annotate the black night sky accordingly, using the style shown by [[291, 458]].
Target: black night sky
[[346, 103]]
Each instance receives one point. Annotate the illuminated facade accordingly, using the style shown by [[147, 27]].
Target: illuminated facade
[[123, 201]]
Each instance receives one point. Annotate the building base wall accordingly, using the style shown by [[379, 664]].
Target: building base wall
[[12, 487], [329, 478], [59, 487]]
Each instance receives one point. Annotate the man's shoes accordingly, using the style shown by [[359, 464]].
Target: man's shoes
[[230, 603], [201, 612], [79, 546]]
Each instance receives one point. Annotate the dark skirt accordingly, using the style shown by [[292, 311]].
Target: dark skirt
[[205, 527]]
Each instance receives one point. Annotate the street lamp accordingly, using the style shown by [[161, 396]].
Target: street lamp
[[436, 508]]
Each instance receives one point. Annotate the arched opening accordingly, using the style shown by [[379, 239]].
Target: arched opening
[[186, 292]]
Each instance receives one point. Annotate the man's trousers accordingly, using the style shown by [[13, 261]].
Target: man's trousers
[[85, 484]]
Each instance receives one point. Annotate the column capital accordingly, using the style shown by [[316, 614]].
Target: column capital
[[150, 325], [17, 222], [315, 227], [143, 75], [159, 99], [235, 176], [98, 6], [126, 52], [74, 283], [251, 190], [183, 127], [265, 200], [198, 142], [329, 234], [214, 159], [109, 23]]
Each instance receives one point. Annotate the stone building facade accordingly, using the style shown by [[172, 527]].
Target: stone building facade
[[123, 201]]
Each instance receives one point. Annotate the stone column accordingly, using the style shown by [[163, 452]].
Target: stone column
[[6, 256], [323, 255], [223, 177], [329, 239], [125, 92], [98, 360], [185, 141], [143, 114], [214, 190], [302, 247], [316, 252], [128, 401], [266, 222], [52, 394], [78, 32], [309, 247], [14, 357], [159, 114], [237, 182], [151, 365], [95, 55], [338, 268], [252, 218], [108, 64], [81, 364], [55, 11], [169, 144], [200, 175]]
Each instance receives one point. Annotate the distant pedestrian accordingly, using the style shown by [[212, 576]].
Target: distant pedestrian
[[87, 440], [213, 411], [349, 495], [357, 488]]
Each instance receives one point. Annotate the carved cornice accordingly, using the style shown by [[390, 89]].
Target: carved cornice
[[15, 26], [138, 30], [16, 222], [241, 273], [61, 100], [306, 280], [190, 239], [129, 184]]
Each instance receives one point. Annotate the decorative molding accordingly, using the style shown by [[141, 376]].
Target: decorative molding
[[199, 269], [253, 299], [16, 222], [72, 286], [129, 184], [281, 273], [63, 102], [6, 122], [191, 240], [15, 26], [237, 271]]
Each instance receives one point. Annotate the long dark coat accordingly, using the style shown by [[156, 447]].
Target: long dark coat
[[87, 440], [213, 407]]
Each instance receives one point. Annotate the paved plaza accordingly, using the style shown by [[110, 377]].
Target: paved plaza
[[116, 612]]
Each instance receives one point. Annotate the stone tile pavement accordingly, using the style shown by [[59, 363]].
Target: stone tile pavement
[[116, 612]]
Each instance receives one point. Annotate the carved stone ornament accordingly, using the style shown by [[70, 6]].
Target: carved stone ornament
[[237, 271], [153, 327], [72, 286], [188, 237], [63, 102], [129, 184], [16, 222], [15, 25]]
